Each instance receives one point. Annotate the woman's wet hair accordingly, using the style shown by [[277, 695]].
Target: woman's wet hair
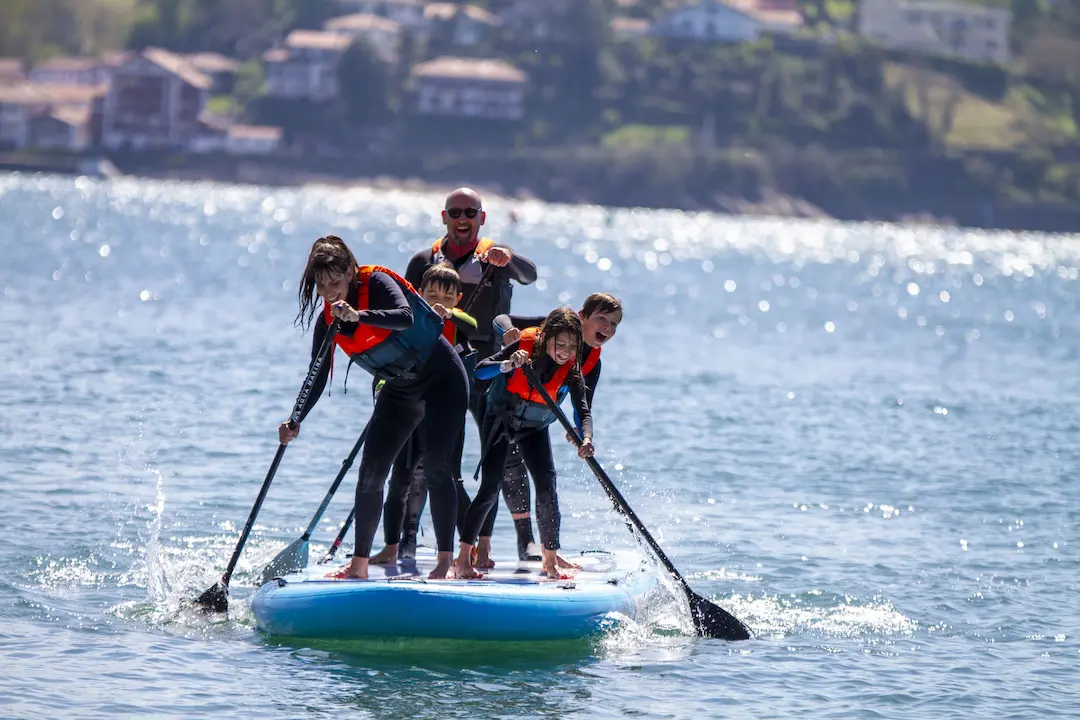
[[558, 321], [601, 303], [443, 276], [329, 256]]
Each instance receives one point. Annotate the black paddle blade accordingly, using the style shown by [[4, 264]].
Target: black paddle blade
[[216, 599], [713, 621]]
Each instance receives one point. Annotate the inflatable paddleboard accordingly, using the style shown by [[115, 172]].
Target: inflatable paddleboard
[[512, 602]]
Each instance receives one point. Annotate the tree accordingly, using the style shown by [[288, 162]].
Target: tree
[[364, 84]]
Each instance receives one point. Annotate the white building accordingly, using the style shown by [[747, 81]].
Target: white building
[[409, 13], [306, 67], [736, 21], [465, 25], [381, 33], [953, 29], [467, 87]]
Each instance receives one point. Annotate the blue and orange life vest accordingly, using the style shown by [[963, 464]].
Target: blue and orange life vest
[[390, 353], [512, 394]]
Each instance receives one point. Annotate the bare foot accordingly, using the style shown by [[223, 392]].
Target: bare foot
[[554, 564], [441, 571], [482, 554], [444, 567], [386, 556], [355, 570], [463, 567]]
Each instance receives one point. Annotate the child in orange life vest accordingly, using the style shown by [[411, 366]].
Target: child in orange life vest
[[407, 492], [516, 411], [600, 315]]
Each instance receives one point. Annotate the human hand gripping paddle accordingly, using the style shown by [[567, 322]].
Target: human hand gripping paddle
[[468, 306], [216, 599], [710, 620]]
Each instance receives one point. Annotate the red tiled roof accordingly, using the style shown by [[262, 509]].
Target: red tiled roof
[[317, 40], [28, 93], [469, 68], [358, 22], [178, 66]]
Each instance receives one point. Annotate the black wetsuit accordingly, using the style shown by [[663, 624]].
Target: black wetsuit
[[407, 492], [436, 390], [484, 301], [515, 489], [535, 446]]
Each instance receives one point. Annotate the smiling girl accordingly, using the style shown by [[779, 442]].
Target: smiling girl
[[515, 411], [392, 333]]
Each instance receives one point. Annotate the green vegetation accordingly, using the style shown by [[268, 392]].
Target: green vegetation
[[648, 118]]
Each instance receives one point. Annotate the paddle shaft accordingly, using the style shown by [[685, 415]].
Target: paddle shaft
[[345, 465], [609, 487], [294, 418], [340, 536], [352, 513]]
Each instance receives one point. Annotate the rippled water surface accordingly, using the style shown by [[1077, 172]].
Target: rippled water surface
[[862, 440]]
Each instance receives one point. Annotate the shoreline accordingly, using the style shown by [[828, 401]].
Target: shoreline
[[565, 188]]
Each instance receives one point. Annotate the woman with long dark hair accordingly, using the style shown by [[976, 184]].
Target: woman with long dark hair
[[387, 329]]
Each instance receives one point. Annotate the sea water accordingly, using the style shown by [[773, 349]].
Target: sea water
[[860, 439]]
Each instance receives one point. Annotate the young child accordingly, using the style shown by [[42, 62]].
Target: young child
[[407, 493], [515, 411], [600, 316]]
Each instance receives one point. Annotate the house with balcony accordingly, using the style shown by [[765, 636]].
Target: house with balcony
[[528, 20], [380, 32], [732, 21], [461, 25], [468, 88], [65, 127], [154, 102], [305, 67], [407, 13], [952, 29], [85, 71], [26, 109], [221, 70]]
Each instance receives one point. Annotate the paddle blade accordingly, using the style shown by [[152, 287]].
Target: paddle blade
[[713, 621], [216, 599], [292, 559]]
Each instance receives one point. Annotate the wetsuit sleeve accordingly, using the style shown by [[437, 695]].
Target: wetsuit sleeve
[[489, 367], [520, 268], [319, 385], [464, 323], [590, 389], [576, 383], [418, 265], [590, 382], [501, 323], [387, 306]]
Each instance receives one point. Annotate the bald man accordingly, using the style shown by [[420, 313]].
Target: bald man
[[486, 271]]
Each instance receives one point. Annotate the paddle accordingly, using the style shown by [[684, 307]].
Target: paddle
[[710, 620], [295, 557], [340, 537], [216, 599]]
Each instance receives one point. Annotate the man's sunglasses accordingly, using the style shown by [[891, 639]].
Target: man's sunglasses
[[467, 212]]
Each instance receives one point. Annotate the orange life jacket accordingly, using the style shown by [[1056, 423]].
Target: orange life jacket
[[513, 395], [389, 353]]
